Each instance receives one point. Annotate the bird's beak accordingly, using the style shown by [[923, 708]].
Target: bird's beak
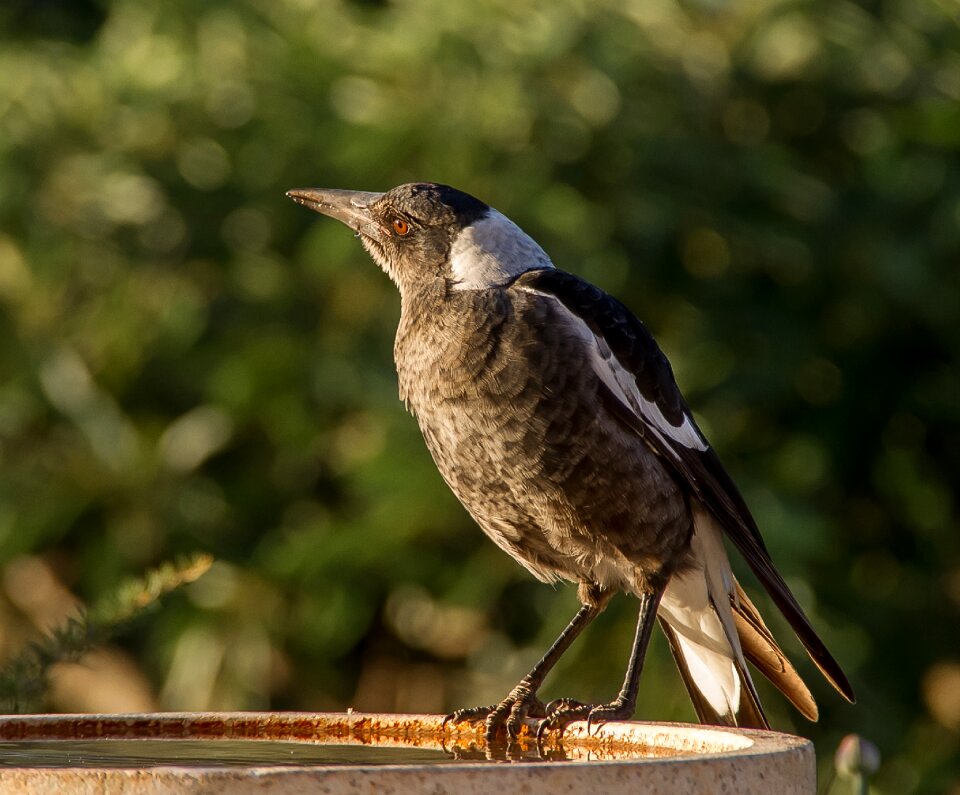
[[351, 207]]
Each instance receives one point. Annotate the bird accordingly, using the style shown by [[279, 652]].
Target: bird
[[556, 420]]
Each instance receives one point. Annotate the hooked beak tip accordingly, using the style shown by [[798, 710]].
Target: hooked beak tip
[[302, 196]]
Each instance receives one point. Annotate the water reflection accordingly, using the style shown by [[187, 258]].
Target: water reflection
[[206, 753], [136, 753], [303, 740]]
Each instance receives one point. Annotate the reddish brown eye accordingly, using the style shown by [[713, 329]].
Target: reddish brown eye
[[400, 226]]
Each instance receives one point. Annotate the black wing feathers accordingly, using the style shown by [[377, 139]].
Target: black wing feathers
[[627, 337], [701, 470]]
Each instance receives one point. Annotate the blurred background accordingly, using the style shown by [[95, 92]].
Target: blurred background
[[190, 362]]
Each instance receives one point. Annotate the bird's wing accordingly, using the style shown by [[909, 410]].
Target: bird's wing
[[637, 382]]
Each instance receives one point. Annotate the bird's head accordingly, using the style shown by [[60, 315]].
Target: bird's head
[[425, 231]]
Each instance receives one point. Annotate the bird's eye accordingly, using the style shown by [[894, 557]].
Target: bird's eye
[[400, 226]]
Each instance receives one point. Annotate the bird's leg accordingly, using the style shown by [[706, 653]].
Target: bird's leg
[[522, 701], [564, 711]]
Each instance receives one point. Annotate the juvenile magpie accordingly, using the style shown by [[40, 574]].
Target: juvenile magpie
[[555, 418]]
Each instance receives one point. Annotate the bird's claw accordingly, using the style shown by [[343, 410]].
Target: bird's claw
[[564, 711], [470, 714], [507, 717]]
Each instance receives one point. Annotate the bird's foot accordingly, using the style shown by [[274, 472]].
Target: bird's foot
[[564, 711], [507, 717]]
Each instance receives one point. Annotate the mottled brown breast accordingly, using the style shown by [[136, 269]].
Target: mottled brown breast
[[507, 400]]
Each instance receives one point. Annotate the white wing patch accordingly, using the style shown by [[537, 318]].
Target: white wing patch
[[623, 384], [492, 251]]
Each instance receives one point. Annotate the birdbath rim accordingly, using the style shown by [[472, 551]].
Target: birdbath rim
[[614, 757]]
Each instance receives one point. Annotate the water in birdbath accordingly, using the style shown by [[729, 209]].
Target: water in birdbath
[[279, 740], [206, 753]]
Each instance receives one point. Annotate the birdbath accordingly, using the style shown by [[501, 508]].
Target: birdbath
[[277, 753]]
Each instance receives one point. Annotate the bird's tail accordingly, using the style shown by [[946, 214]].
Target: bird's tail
[[713, 628]]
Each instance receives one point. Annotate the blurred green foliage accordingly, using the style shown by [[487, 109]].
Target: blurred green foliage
[[192, 362]]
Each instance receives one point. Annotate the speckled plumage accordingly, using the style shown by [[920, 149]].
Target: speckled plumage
[[556, 480]]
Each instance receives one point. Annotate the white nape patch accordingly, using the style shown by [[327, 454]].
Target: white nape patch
[[492, 251], [623, 384], [696, 606]]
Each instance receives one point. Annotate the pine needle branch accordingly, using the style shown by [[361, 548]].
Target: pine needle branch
[[25, 680]]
